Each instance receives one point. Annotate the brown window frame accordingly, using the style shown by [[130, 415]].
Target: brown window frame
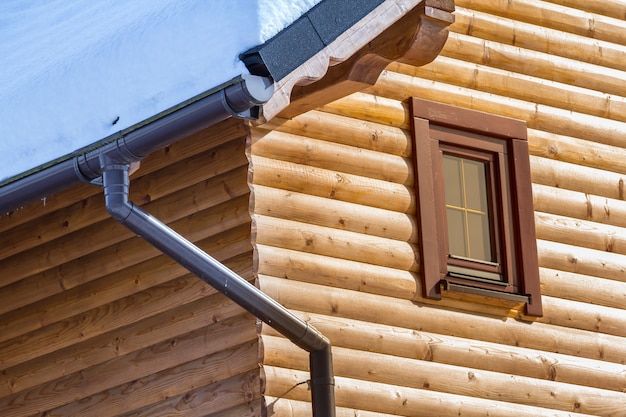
[[503, 143]]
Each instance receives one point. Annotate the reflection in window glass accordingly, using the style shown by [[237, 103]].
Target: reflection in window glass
[[467, 209]]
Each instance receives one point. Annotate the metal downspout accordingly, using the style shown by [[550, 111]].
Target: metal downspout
[[115, 181]]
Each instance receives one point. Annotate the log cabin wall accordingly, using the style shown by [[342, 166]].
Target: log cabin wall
[[96, 322], [335, 230]]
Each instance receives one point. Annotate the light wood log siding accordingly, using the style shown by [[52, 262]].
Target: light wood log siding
[[335, 234], [96, 322]]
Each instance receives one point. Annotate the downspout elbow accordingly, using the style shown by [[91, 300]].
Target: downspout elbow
[[116, 184], [312, 340], [321, 368]]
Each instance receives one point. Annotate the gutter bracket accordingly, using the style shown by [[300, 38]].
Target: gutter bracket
[[90, 178]]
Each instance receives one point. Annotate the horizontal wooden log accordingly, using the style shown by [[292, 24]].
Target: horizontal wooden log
[[451, 350], [554, 16], [537, 38], [477, 304], [65, 306], [110, 260], [347, 131], [373, 109], [577, 151], [395, 86], [283, 407], [320, 240], [128, 368], [90, 324], [577, 178], [254, 408], [201, 141], [210, 309], [64, 249], [457, 380], [221, 246], [332, 184], [583, 288], [333, 272], [520, 86], [53, 225], [579, 205], [141, 261], [203, 166], [410, 402], [108, 232], [207, 401], [100, 320], [578, 315], [536, 64], [404, 313], [610, 8], [165, 390], [301, 149], [579, 260], [581, 233], [349, 274], [337, 214]]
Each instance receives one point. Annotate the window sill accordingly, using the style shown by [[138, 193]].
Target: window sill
[[451, 286]]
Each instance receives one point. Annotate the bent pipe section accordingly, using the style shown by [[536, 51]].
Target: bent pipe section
[[240, 99], [115, 181]]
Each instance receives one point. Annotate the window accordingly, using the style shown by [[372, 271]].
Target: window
[[475, 213]]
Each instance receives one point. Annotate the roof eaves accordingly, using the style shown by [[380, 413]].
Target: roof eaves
[[239, 98], [113, 137], [408, 31], [308, 35], [327, 35]]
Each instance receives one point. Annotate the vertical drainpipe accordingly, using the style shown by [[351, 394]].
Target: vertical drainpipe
[[115, 181]]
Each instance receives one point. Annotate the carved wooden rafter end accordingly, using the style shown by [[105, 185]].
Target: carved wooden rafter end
[[408, 31]]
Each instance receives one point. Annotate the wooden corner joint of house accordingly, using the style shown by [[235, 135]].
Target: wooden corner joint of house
[[409, 31]]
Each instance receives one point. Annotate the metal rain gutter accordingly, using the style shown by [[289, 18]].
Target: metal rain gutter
[[240, 99], [115, 181]]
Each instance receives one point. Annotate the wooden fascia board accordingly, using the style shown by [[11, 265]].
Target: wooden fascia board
[[409, 31]]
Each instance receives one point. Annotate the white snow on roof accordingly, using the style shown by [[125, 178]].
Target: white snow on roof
[[76, 71]]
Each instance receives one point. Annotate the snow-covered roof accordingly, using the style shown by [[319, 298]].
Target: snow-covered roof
[[77, 71]]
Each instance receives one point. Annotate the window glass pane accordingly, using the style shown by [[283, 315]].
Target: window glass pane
[[452, 180], [457, 239], [475, 185], [479, 237], [467, 208]]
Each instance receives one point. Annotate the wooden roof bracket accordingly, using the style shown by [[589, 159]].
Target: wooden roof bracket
[[409, 31]]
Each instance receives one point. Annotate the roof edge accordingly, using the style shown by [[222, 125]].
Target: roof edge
[[346, 59], [240, 98], [310, 33], [409, 31]]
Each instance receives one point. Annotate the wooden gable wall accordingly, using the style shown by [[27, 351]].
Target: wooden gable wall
[[335, 232], [96, 322]]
